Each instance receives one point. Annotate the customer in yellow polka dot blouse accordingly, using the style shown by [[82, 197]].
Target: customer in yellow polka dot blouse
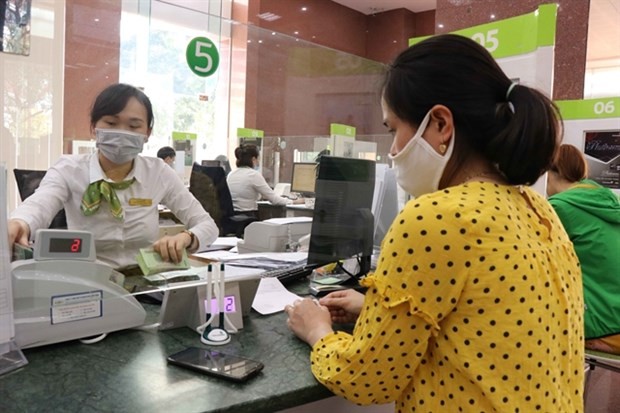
[[476, 304]]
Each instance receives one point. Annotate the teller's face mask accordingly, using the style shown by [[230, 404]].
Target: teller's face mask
[[418, 166], [119, 146]]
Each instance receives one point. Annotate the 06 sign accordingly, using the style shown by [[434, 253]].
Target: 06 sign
[[202, 56]]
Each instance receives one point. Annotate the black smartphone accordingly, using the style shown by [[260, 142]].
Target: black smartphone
[[216, 363]]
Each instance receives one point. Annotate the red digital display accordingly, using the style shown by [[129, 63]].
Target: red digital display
[[66, 245]]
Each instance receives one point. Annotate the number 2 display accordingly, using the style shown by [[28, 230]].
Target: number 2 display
[[66, 245]]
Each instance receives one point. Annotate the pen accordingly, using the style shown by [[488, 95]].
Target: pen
[[221, 295], [209, 290]]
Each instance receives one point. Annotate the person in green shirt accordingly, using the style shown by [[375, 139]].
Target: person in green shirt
[[590, 214]]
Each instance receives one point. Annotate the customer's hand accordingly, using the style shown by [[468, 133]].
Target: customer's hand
[[19, 232], [344, 306], [308, 320], [171, 247]]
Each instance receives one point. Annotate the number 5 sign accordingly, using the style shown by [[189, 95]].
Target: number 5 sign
[[202, 56]]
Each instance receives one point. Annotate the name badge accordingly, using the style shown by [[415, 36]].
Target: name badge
[[145, 202]]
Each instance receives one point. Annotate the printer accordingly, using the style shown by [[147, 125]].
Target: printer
[[274, 235]]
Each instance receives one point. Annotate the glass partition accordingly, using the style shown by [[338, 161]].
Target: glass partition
[[290, 89]]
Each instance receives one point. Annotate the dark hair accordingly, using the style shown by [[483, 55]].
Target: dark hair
[[113, 100], [518, 132], [245, 153], [166, 152], [570, 164]]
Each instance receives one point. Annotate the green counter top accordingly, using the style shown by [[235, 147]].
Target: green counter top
[[128, 372]]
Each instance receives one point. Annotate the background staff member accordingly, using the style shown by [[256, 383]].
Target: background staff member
[[168, 155], [591, 216], [247, 185], [114, 193]]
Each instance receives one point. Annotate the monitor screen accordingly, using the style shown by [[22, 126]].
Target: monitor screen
[[342, 224], [304, 177]]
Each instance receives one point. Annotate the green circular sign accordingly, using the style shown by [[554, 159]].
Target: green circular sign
[[202, 56]]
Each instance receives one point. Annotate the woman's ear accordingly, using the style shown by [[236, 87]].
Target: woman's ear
[[440, 129], [441, 118], [148, 134]]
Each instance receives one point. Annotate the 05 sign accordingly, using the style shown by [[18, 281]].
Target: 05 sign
[[488, 40], [202, 56]]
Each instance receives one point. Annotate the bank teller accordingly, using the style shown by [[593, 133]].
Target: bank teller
[[114, 193], [247, 185]]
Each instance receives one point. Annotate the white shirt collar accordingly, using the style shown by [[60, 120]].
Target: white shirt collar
[[96, 173]]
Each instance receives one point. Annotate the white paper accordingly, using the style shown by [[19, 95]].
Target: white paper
[[221, 243], [289, 220], [225, 256], [271, 297]]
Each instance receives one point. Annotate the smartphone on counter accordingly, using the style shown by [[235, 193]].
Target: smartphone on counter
[[216, 363]]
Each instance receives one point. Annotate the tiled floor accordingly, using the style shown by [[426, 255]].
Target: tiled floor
[[603, 392]]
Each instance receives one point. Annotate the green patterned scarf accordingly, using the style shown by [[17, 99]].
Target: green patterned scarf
[[91, 200]]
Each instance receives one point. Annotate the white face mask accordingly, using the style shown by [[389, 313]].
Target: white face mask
[[119, 146], [418, 166]]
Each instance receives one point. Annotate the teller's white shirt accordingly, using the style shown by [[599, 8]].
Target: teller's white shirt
[[247, 186], [116, 242]]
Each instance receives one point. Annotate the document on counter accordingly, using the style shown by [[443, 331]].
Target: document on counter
[[271, 296], [289, 220], [221, 243], [261, 260]]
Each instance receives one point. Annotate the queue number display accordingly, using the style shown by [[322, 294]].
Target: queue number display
[[229, 305], [63, 244], [66, 245]]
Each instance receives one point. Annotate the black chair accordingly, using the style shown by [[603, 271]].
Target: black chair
[[209, 187], [216, 162], [27, 182]]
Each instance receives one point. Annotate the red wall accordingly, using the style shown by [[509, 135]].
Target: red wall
[[92, 50]]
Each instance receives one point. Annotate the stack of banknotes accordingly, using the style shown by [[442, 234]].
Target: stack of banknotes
[[150, 262]]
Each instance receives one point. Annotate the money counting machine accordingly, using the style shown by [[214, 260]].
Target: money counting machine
[[64, 293]]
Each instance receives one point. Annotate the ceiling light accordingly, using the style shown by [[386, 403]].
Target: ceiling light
[[268, 16], [492, 16], [295, 32], [440, 26], [304, 9]]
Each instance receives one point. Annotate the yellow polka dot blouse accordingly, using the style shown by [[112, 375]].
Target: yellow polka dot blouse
[[476, 306]]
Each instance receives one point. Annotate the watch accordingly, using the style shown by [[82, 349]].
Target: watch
[[192, 237]]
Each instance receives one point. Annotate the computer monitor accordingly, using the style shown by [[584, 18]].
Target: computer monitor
[[216, 162], [385, 204], [342, 223], [304, 177]]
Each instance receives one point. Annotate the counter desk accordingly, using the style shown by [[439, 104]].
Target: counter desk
[[128, 372]]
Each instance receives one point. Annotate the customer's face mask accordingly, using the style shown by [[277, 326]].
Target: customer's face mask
[[119, 146], [418, 166]]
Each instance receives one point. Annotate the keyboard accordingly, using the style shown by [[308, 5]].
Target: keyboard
[[289, 274]]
